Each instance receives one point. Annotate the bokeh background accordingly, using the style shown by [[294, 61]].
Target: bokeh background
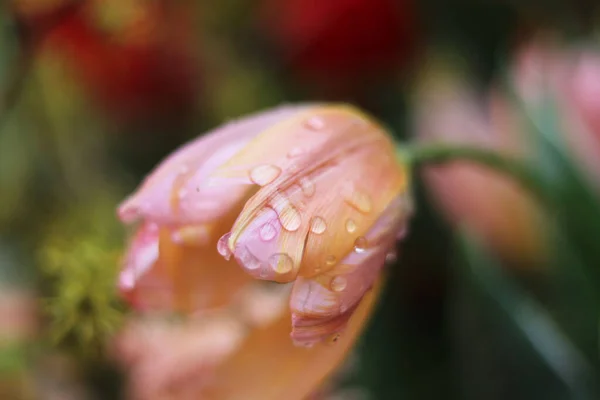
[[94, 93]]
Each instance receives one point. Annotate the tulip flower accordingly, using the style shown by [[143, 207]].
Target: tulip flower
[[480, 198], [311, 197]]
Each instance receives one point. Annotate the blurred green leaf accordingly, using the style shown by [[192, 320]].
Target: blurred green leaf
[[533, 322]]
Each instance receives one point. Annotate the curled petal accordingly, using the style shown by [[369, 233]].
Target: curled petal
[[163, 272], [140, 258], [316, 191], [216, 357], [178, 192], [322, 305]]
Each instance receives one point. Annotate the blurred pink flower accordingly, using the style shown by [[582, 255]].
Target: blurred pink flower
[[18, 315], [489, 203], [309, 195]]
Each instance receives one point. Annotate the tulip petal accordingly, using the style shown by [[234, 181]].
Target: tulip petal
[[161, 272], [322, 305], [329, 162], [177, 191], [269, 366]]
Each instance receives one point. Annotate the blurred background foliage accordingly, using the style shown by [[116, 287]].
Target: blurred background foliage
[[95, 92]]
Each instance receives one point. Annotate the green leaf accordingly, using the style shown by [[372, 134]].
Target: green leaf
[[534, 324]]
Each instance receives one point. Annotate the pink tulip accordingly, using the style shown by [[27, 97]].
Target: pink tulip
[[488, 202], [309, 195]]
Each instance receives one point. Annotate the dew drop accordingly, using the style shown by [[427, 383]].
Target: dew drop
[[391, 257], [223, 247], [359, 201], [308, 186], [267, 232], [350, 225], [330, 260], [360, 244], [281, 263], [288, 215], [338, 283], [290, 219], [264, 174], [318, 225], [315, 123], [247, 259]]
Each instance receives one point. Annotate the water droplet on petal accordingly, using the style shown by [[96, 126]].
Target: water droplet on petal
[[281, 263], [391, 257], [315, 123], [288, 215], [264, 174], [223, 246], [360, 244], [318, 225], [330, 260], [350, 225], [290, 219], [246, 258], [295, 152], [359, 201], [267, 232], [308, 186], [338, 283]]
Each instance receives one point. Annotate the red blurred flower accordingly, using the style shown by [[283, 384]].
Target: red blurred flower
[[134, 57], [341, 43]]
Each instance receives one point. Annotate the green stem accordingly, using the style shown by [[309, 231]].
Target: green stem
[[518, 170]]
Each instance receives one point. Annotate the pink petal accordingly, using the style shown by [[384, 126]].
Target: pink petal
[[321, 306], [178, 192], [141, 256], [316, 193]]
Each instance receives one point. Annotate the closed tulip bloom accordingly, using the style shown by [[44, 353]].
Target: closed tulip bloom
[[449, 111], [480, 198], [311, 197]]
